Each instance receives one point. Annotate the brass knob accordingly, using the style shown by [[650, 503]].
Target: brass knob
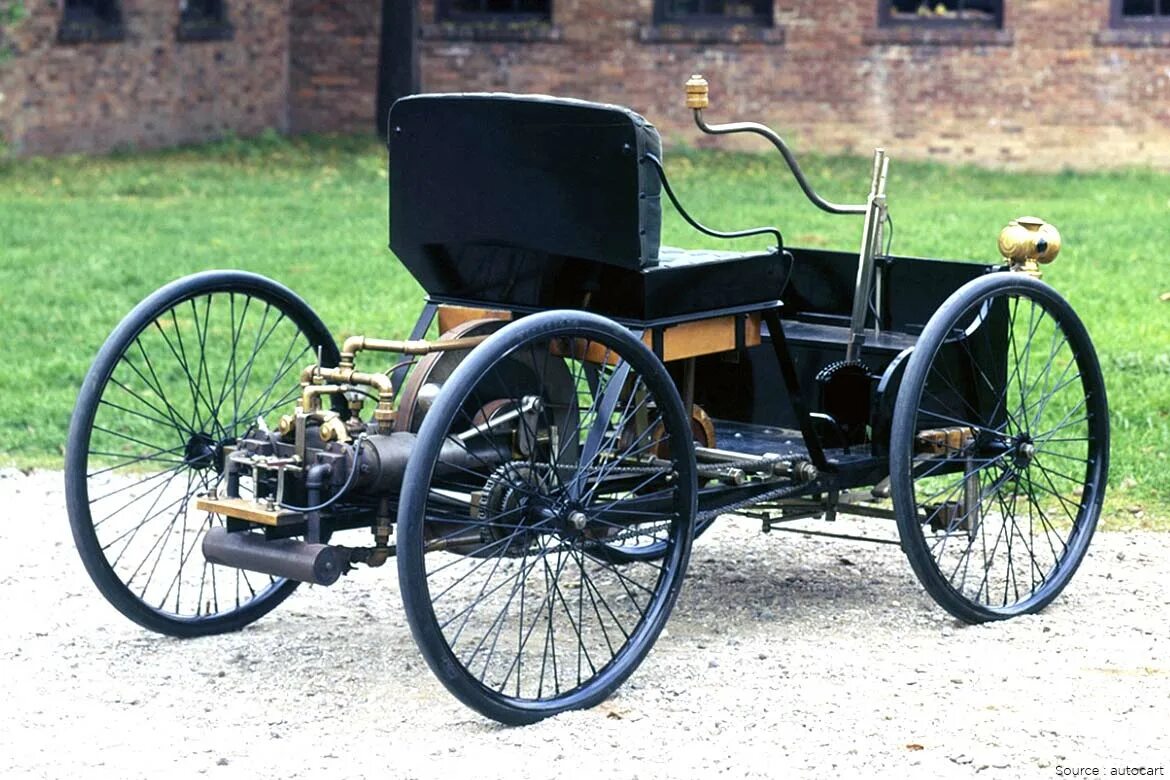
[[697, 92], [1026, 241]]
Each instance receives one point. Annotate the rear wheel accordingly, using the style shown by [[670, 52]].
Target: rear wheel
[[189, 370], [512, 502], [999, 449]]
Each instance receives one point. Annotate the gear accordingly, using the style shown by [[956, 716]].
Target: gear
[[845, 389], [500, 491]]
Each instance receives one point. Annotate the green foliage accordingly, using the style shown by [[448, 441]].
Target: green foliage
[[12, 12], [82, 240]]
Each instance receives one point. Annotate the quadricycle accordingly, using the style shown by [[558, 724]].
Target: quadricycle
[[589, 402]]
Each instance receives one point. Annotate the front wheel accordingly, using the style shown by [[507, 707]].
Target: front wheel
[[999, 449], [554, 440], [189, 370]]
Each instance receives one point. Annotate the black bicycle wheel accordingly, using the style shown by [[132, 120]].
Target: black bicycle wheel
[[999, 448], [189, 370], [512, 499]]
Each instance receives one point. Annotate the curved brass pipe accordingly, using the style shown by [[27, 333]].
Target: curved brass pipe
[[383, 413], [355, 344]]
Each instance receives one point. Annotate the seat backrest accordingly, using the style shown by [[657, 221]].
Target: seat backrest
[[477, 176]]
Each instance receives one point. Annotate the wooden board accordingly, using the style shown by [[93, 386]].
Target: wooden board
[[246, 509], [453, 316], [704, 337], [685, 340]]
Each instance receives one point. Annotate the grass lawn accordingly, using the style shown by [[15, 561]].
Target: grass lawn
[[82, 240]]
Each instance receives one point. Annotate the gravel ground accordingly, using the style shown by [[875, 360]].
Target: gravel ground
[[786, 657]]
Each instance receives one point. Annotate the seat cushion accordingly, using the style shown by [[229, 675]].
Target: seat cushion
[[683, 281]]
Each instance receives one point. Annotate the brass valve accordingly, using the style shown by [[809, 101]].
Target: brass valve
[[1027, 241], [697, 92]]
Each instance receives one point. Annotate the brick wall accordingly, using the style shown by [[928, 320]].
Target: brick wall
[[333, 64], [145, 90], [1055, 88]]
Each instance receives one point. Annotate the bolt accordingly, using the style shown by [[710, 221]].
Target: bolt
[[578, 520]]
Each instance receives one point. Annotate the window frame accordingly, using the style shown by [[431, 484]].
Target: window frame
[[205, 27], [886, 18], [77, 26], [445, 13], [662, 15], [1121, 21]]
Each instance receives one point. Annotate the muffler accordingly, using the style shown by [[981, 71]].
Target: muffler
[[320, 564]]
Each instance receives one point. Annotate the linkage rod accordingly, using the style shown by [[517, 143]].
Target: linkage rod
[[793, 165]]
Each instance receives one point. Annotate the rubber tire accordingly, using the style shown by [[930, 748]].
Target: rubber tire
[[937, 329], [80, 427], [412, 575]]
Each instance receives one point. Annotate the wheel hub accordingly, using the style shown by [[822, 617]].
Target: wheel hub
[[1025, 452], [202, 452]]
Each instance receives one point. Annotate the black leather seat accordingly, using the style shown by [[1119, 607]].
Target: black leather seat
[[544, 202]]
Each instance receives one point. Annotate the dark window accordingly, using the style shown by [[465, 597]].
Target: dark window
[[90, 20], [493, 10], [714, 11], [1140, 13], [973, 13], [203, 20]]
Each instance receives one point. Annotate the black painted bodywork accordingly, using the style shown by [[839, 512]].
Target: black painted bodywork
[[529, 203], [546, 203]]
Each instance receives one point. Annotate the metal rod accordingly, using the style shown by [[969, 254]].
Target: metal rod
[[850, 537], [844, 509], [870, 235], [812, 440], [688, 386], [528, 404], [793, 165], [699, 225]]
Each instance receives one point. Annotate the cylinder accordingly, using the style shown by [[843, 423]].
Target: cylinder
[[319, 564]]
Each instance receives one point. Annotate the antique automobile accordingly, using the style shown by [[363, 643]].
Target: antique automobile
[[576, 404]]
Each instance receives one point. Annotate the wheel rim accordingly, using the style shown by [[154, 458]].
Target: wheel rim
[[177, 383], [1009, 453], [532, 614]]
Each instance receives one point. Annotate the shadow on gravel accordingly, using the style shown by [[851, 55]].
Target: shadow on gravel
[[795, 585]]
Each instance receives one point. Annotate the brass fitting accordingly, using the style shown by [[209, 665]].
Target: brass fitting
[[1027, 241], [332, 426], [382, 530], [384, 412], [354, 344], [311, 396], [697, 91]]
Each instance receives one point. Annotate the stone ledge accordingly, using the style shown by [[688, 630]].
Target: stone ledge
[[710, 34], [1133, 37], [534, 32], [936, 35]]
